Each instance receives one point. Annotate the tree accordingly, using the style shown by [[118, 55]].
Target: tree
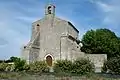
[[13, 59], [101, 41], [112, 65], [19, 64]]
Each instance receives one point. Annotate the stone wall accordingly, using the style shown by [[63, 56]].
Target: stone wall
[[52, 36], [25, 54], [97, 59]]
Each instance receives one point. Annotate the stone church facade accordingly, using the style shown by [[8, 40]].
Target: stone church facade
[[56, 39]]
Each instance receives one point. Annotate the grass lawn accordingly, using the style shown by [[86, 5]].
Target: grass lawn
[[26, 76]]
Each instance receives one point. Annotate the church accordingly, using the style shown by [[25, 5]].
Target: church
[[56, 39]]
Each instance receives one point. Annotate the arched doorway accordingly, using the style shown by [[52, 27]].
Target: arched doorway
[[49, 60]]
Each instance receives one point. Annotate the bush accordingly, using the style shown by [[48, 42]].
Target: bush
[[10, 67], [6, 67], [79, 66], [3, 66], [82, 66], [104, 68], [63, 66], [39, 66], [112, 65], [19, 64], [26, 67]]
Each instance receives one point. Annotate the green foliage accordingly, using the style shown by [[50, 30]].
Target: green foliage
[[63, 66], [82, 66], [13, 59], [26, 67], [79, 66], [3, 66], [112, 65], [39, 66], [104, 68], [6, 67], [19, 64], [10, 67], [10, 76], [25, 76], [101, 41]]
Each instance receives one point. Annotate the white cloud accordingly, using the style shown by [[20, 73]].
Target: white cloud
[[111, 13], [105, 7], [11, 40], [16, 15], [14, 18], [26, 19]]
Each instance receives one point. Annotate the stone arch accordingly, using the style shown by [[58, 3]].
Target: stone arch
[[49, 9], [49, 59]]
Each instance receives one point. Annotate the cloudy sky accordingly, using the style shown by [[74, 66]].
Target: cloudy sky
[[16, 17]]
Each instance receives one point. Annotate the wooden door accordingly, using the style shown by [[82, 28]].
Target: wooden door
[[49, 60]]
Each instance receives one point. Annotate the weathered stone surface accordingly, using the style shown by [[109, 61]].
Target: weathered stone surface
[[97, 59], [52, 36]]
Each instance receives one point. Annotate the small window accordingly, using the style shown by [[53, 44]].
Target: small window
[[38, 25], [24, 47], [49, 9]]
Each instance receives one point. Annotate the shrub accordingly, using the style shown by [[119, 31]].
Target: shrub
[[113, 65], [3, 66], [6, 67], [13, 59], [39, 66], [82, 66], [104, 68], [79, 66], [10, 67], [63, 66], [26, 67], [19, 64]]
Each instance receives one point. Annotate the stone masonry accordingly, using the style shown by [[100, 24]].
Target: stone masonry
[[55, 39]]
